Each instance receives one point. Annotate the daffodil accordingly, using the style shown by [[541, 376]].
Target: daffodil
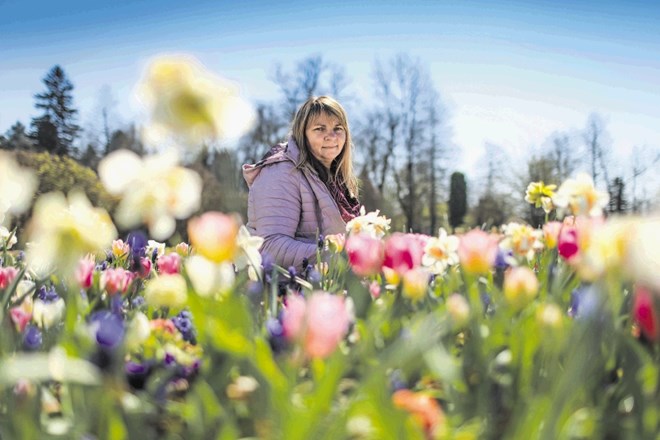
[[369, 223], [62, 230], [17, 185], [540, 195], [522, 240], [440, 252], [580, 197], [190, 104], [248, 251], [154, 190]]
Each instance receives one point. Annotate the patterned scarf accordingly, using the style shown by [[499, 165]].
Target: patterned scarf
[[349, 206]]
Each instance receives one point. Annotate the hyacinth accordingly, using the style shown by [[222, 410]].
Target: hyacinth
[[580, 197], [523, 240], [440, 252], [369, 223], [62, 230], [17, 185], [153, 190], [191, 105], [540, 195]]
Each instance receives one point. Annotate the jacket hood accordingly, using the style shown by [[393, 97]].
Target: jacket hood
[[286, 151]]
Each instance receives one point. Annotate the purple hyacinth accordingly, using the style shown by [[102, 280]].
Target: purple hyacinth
[[276, 337], [47, 294], [183, 323], [109, 328], [32, 338]]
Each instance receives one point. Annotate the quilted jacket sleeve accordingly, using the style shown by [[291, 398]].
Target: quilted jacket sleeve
[[276, 205]]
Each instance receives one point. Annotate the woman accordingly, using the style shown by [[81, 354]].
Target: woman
[[304, 187]]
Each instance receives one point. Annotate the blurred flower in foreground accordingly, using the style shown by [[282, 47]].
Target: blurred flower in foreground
[[320, 323], [415, 283], [371, 223], [154, 190], [580, 197], [642, 262], [191, 105], [458, 310], [540, 195], [213, 235], [335, 243], [440, 252], [477, 251], [551, 233], [520, 286], [645, 313], [209, 278], [424, 409], [365, 254], [7, 239], [166, 291], [48, 308], [62, 230], [17, 185]]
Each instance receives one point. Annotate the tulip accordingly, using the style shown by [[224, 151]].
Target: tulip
[[166, 291], [477, 251], [365, 254], [415, 284], [645, 313], [458, 310], [213, 235], [85, 272], [425, 410], [116, 280], [327, 324], [7, 275], [169, 264], [551, 234], [403, 252], [520, 286]]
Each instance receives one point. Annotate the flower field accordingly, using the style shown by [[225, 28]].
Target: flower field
[[518, 332]]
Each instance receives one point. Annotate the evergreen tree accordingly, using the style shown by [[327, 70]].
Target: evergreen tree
[[55, 130], [16, 138], [618, 202], [457, 199]]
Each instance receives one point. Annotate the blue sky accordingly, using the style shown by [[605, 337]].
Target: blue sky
[[510, 72]]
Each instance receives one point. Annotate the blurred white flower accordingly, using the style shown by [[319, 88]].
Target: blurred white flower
[[48, 313], [63, 230], [248, 252], [154, 190], [209, 278], [168, 290], [642, 261], [522, 240], [17, 185], [190, 104], [580, 197], [154, 247], [6, 238], [138, 331]]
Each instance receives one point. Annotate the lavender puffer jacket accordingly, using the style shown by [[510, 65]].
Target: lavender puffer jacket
[[288, 207]]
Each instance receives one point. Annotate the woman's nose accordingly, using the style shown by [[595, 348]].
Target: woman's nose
[[331, 134]]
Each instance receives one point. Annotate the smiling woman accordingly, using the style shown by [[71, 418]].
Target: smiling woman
[[304, 187]]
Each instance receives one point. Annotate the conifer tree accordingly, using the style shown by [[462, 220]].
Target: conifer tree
[[55, 130]]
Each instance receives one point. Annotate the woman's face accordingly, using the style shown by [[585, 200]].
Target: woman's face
[[326, 138]]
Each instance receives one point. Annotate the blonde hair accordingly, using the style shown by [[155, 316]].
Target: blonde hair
[[307, 112]]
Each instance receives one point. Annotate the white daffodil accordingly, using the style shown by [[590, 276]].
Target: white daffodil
[[63, 230], [580, 197], [209, 278], [369, 223], [248, 251], [17, 185], [48, 313], [154, 190], [522, 240], [190, 104], [440, 252]]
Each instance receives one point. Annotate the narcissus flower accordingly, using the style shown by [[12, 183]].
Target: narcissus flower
[[247, 252], [369, 223], [477, 251], [17, 185], [440, 252], [520, 286], [580, 197], [540, 195], [190, 104], [365, 254], [335, 242], [213, 235], [62, 230], [522, 240], [153, 190]]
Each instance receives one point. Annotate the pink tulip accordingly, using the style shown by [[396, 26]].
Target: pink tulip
[[145, 267], [85, 272], [567, 242], [294, 316], [327, 324], [645, 314], [374, 289], [7, 276], [169, 263], [365, 254], [213, 235], [20, 318], [477, 251], [403, 252], [116, 280]]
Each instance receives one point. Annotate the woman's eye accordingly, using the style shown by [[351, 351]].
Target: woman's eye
[[339, 128]]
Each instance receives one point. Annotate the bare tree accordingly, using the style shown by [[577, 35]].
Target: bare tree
[[596, 140]]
